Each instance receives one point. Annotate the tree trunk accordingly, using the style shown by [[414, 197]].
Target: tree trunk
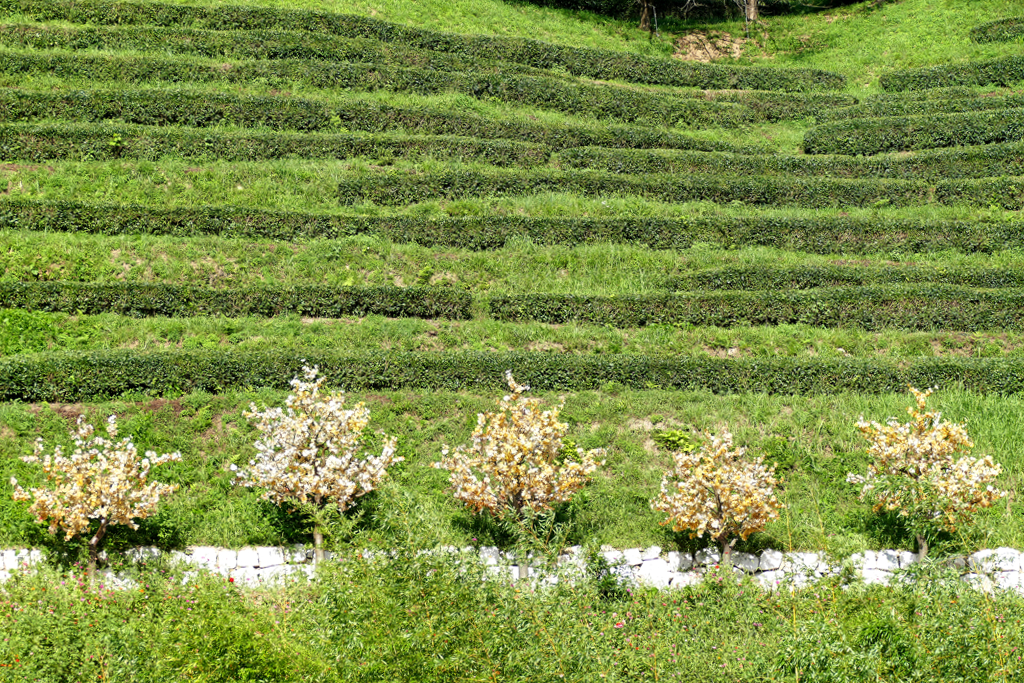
[[94, 550], [318, 544], [524, 564], [751, 11], [727, 547], [922, 548], [645, 15]]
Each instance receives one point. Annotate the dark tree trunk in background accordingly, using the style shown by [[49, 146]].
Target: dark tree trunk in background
[[645, 15]]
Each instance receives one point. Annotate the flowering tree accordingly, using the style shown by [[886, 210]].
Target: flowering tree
[[914, 471], [713, 490], [308, 452], [520, 456], [102, 480]]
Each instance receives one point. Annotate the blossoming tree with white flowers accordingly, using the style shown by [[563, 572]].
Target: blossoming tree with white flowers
[[308, 454], [102, 483], [714, 490], [521, 460], [915, 473]]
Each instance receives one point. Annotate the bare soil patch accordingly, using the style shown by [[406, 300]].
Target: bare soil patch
[[707, 46]]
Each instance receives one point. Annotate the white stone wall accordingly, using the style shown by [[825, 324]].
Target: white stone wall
[[772, 569]]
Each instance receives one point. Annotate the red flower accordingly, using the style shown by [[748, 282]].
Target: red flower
[[620, 624], [231, 580]]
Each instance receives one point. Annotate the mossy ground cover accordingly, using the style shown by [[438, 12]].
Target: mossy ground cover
[[362, 624]]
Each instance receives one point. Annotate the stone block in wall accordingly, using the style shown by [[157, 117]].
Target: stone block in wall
[[652, 553], [979, 581], [655, 573], [771, 579], [205, 556], [907, 558], [26, 557], [490, 555], [146, 553], [270, 556], [996, 560], [683, 579], [613, 557], [227, 559], [746, 561], [245, 576], [633, 557], [887, 560], [803, 563], [876, 576], [9, 560], [1008, 580], [705, 557], [679, 561], [771, 560], [248, 557], [277, 575], [178, 557], [4, 575], [299, 554]]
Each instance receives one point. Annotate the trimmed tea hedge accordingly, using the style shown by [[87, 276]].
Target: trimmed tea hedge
[[399, 188], [201, 109], [1004, 71], [901, 134], [911, 307], [809, 277], [948, 93], [1000, 30], [921, 107], [602, 101], [822, 235], [966, 162], [782, 106], [139, 299], [69, 377], [41, 142], [588, 62], [245, 45]]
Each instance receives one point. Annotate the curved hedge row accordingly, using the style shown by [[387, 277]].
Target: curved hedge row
[[141, 299], [1004, 71], [201, 109], [967, 162], [602, 101], [403, 187], [921, 107], [901, 134], [101, 141], [809, 277], [69, 377], [246, 45], [822, 235], [912, 307], [999, 30], [588, 62]]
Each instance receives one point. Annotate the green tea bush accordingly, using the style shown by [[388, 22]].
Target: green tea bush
[[586, 62], [138, 299], [822, 235], [911, 107], [808, 277], [910, 307], [1004, 72], [1000, 30], [402, 188], [201, 109], [101, 141], [900, 134], [969, 162], [69, 377]]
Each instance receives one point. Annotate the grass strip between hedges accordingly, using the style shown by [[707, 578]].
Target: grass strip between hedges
[[589, 62], [911, 307], [821, 235], [137, 299], [102, 141], [69, 377]]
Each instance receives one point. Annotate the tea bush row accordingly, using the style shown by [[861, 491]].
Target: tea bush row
[[905, 133], [78, 141], [275, 44], [968, 162], [69, 377], [201, 109], [139, 299], [602, 101], [402, 188], [808, 277], [587, 62], [1003, 71], [911, 307], [820, 234], [909, 107], [1011, 28]]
